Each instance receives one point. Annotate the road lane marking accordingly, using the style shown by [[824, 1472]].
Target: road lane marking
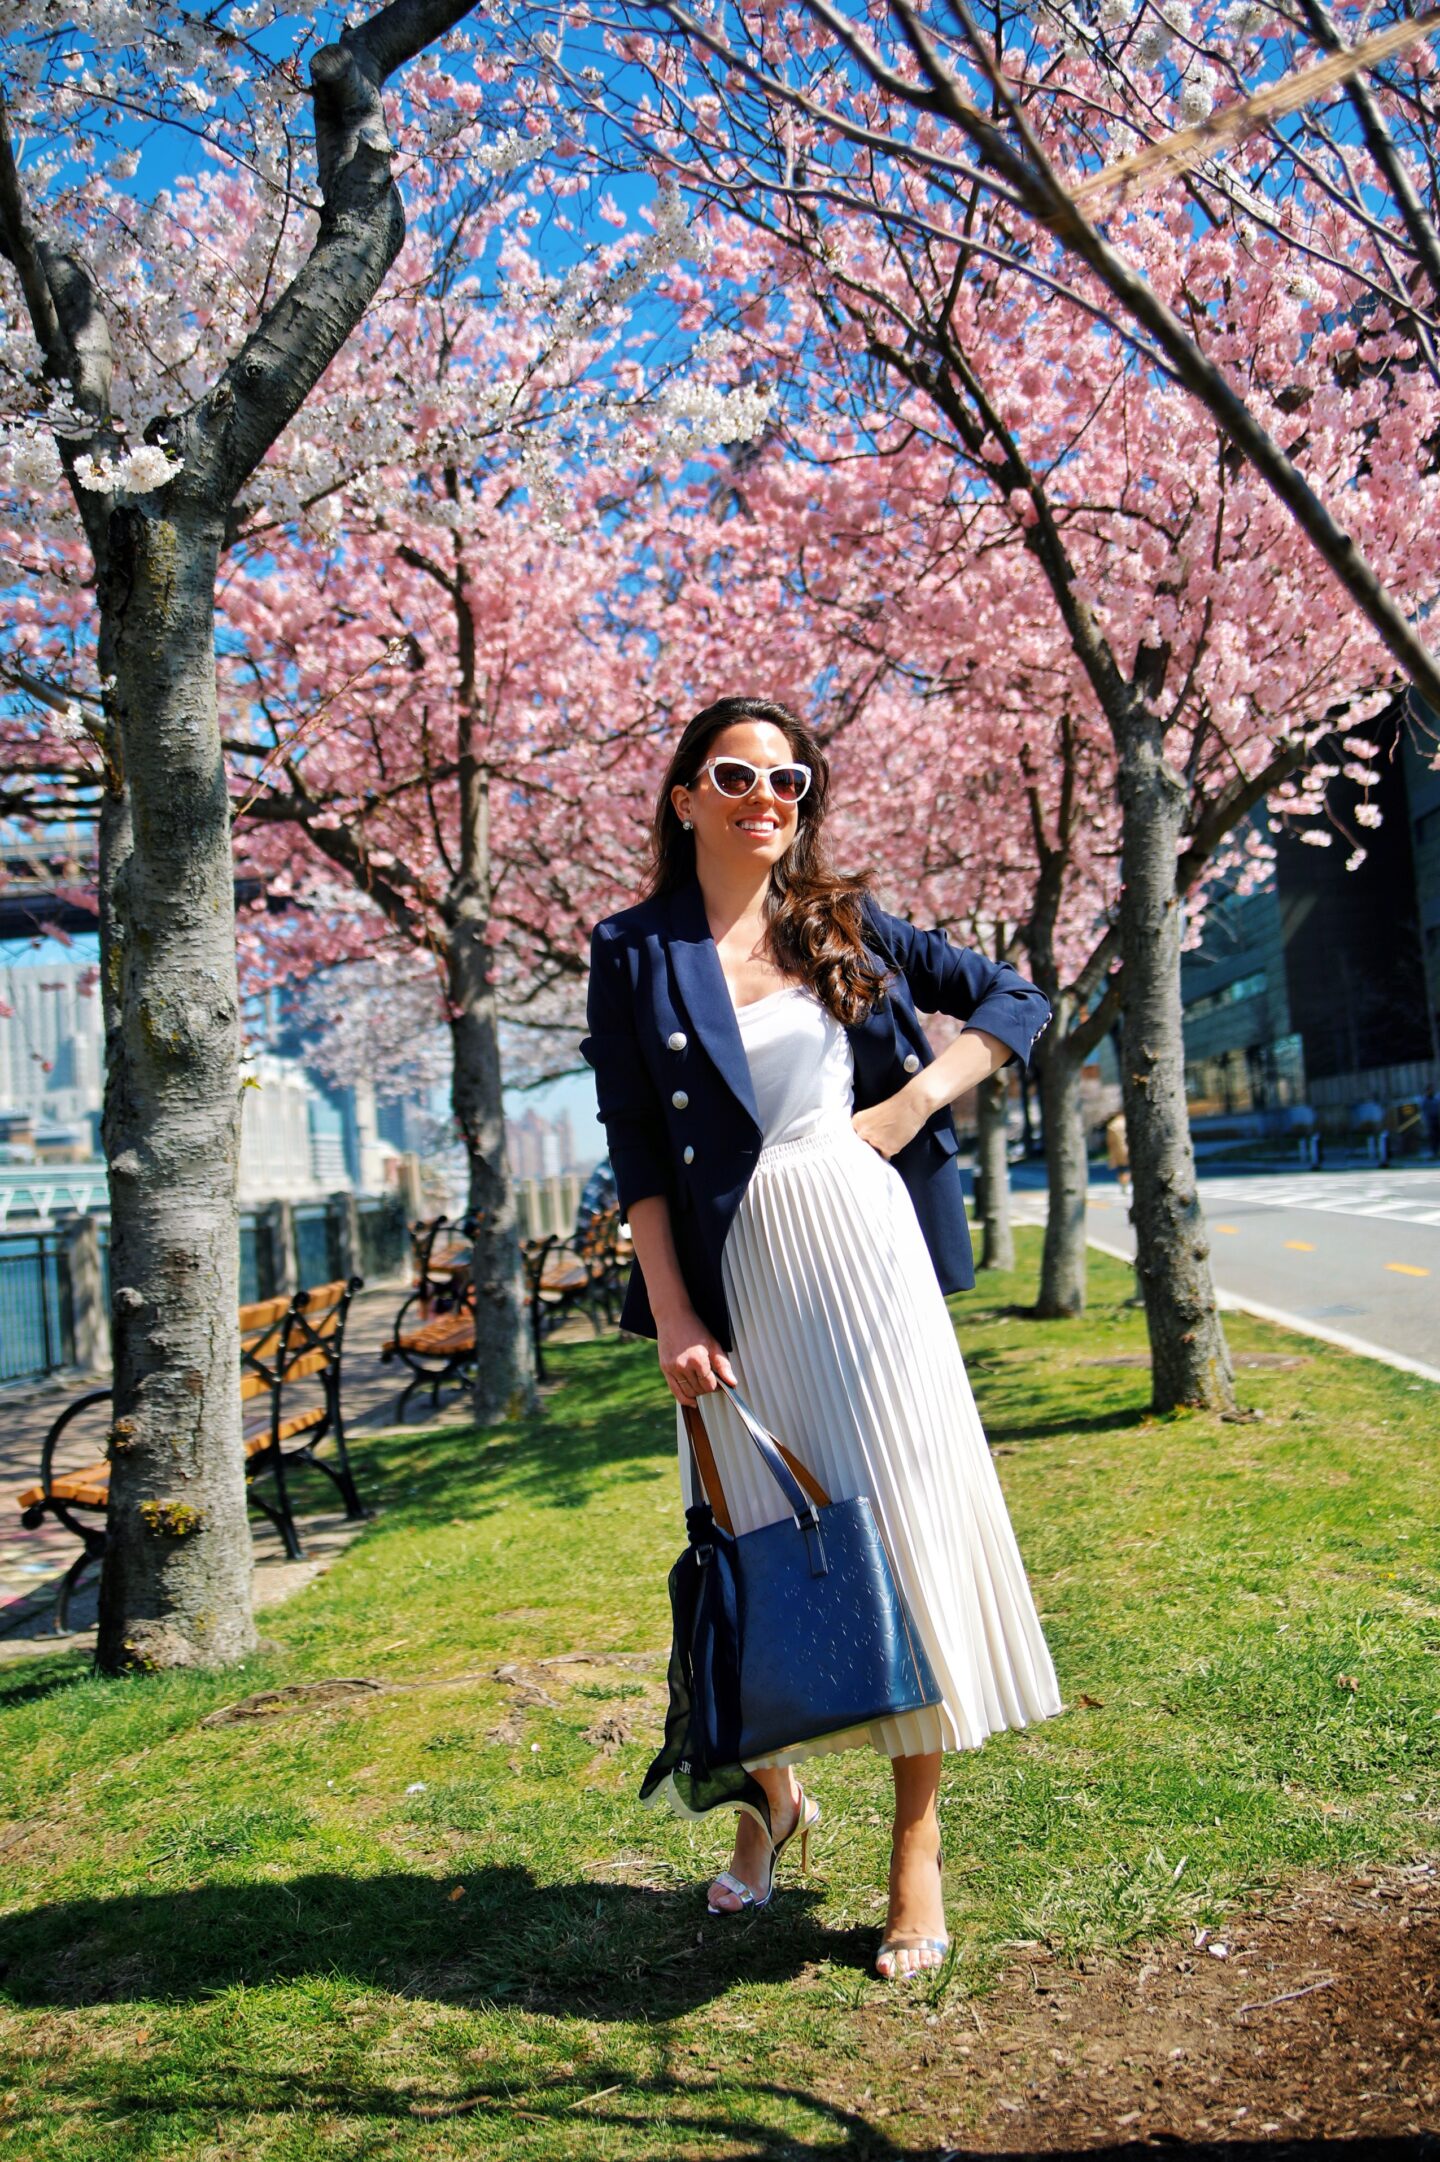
[[1231, 1228], [1300, 1246], [1350, 1195], [1405, 1268], [1234, 1302]]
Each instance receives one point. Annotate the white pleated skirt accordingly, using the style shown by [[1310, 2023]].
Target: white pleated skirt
[[845, 1349]]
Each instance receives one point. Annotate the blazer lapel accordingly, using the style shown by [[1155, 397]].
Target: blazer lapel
[[700, 981]]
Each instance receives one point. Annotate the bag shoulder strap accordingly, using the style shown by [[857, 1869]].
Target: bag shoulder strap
[[707, 1471]]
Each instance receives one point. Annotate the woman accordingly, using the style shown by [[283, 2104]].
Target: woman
[[781, 1138]]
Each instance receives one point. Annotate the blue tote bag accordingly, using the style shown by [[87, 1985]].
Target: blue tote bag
[[796, 1630]]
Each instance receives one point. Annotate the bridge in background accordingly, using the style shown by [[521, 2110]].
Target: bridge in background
[[51, 889], [45, 889], [35, 1197]]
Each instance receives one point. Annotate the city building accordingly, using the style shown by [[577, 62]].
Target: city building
[[276, 1157], [52, 1042], [1325, 987], [1422, 789], [539, 1148]]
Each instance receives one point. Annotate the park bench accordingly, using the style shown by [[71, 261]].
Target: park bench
[[434, 1331], [565, 1273], [285, 1343], [439, 1251]]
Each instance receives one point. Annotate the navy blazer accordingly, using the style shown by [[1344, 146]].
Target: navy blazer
[[673, 1083]]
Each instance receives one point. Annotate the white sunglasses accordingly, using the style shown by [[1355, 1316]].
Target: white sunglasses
[[736, 777]]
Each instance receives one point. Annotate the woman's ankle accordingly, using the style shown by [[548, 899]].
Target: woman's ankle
[[782, 1792], [915, 1836]]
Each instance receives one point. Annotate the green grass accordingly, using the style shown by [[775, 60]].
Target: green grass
[[256, 1940]]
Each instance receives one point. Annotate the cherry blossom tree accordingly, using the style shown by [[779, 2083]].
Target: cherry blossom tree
[[1033, 130], [112, 341], [151, 402], [446, 795]]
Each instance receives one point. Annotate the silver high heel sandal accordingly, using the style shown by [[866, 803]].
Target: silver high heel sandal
[[908, 1941], [806, 1819]]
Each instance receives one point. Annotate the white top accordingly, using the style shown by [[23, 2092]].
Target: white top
[[801, 1066]]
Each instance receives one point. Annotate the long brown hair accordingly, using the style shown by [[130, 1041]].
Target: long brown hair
[[812, 912]]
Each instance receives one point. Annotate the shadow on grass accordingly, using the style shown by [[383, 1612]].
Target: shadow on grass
[[612, 1420], [998, 1428], [61, 1671], [690, 2109], [595, 1951]]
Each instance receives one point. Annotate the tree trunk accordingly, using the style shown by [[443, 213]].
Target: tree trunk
[[997, 1250], [1190, 1361], [175, 1585], [1062, 1261], [504, 1352]]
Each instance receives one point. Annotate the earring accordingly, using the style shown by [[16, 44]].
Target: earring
[[688, 824]]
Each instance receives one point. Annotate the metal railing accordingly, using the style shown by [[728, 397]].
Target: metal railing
[[37, 1332], [319, 1242], [365, 1235], [382, 1236], [261, 1272]]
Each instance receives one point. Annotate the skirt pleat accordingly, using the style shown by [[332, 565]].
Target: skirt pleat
[[845, 1349]]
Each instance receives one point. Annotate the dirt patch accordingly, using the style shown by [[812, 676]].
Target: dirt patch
[[1320, 2020], [320, 1696], [522, 1678]]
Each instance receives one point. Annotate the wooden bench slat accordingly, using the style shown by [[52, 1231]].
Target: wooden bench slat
[[320, 1295], [88, 1489], [263, 1314], [299, 1422], [309, 1362], [450, 1333]]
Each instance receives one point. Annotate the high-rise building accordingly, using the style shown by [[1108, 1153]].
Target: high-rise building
[[1313, 990], [52, 1042]]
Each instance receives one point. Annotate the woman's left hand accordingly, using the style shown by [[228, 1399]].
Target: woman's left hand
[[888, 1126]]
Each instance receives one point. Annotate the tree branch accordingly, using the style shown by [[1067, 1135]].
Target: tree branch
[[224, 436]]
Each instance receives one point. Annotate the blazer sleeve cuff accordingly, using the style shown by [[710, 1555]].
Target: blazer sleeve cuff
[[637, 1174], [1015, 1018]]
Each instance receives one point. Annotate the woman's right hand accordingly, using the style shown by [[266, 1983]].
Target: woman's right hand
[[690, 1357]]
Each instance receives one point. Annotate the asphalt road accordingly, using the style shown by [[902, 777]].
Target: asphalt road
[[1352, 1255]]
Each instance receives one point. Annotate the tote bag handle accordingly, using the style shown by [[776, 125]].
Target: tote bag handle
[[802, 1490]]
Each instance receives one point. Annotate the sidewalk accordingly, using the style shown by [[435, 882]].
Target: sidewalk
[[33, 1562]]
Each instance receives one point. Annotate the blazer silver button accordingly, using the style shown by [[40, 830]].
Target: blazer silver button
[[680, 1100], [912, 1064], [678, 1041], [689, 1154]]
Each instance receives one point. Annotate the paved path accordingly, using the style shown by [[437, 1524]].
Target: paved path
[[1352, 1256], [32, 1562]]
